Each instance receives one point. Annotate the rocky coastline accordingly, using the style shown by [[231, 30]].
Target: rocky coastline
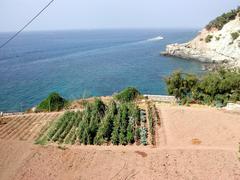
[[212, 60], [213, 46]]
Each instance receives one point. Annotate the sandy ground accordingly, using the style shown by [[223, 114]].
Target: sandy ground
[[195, 143], [211, 127]]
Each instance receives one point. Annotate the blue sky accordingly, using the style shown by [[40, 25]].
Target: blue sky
[[104, 14]]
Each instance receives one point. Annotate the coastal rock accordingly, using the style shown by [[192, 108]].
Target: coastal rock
[[211, 45]]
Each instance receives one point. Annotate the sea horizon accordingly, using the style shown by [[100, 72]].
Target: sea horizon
[[105, 29]]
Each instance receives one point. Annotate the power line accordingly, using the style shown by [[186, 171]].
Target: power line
[[26, 25]]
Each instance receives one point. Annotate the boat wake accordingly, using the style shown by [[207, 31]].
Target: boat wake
[[158, 38]]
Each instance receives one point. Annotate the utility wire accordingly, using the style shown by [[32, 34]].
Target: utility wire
[[18, 32]]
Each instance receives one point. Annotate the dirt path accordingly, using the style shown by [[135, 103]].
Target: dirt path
[[95, 162], [162, 138]]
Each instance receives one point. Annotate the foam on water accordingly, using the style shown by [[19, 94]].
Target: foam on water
[[158, 38]]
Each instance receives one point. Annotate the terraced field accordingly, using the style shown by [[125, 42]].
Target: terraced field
[[190, 143], [25, 127]]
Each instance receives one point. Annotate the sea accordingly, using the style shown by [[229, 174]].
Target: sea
[[84, 63]]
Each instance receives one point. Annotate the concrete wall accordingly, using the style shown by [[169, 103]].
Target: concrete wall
[[161, 98]]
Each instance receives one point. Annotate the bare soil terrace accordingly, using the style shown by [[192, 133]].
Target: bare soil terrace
[[192, 143]]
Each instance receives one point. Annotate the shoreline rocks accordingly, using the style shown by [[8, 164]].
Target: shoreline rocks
[[211, 46]]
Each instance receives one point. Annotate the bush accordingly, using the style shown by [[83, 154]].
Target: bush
[[127, 95], [234, 35], [208, 38], [213, 88], [180, 84], [54, 102]]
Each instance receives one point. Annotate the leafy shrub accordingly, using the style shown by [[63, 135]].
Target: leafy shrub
[[208, 38], [127, 94], [234, 35], [220, 21], [213, 88], [180, 84], [54, 102]]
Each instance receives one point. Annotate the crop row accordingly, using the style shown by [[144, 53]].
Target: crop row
[[153, 120], [115, 123]]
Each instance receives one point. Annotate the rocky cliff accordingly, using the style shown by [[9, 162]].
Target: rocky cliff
[[218, 42]]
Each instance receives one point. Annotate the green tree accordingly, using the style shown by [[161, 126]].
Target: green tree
[[180, 84]]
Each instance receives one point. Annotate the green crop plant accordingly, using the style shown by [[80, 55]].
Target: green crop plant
[[98, 124], [143, 135]]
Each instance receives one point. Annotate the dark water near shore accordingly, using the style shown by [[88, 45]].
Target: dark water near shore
[[83, 63]]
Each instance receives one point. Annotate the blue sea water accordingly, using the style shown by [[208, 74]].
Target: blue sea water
[[86, 63]]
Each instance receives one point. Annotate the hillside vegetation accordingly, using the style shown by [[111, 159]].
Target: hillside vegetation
[[220, 21], [214, 88]]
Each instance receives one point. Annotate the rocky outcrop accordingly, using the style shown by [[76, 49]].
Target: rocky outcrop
[[212, 46]]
